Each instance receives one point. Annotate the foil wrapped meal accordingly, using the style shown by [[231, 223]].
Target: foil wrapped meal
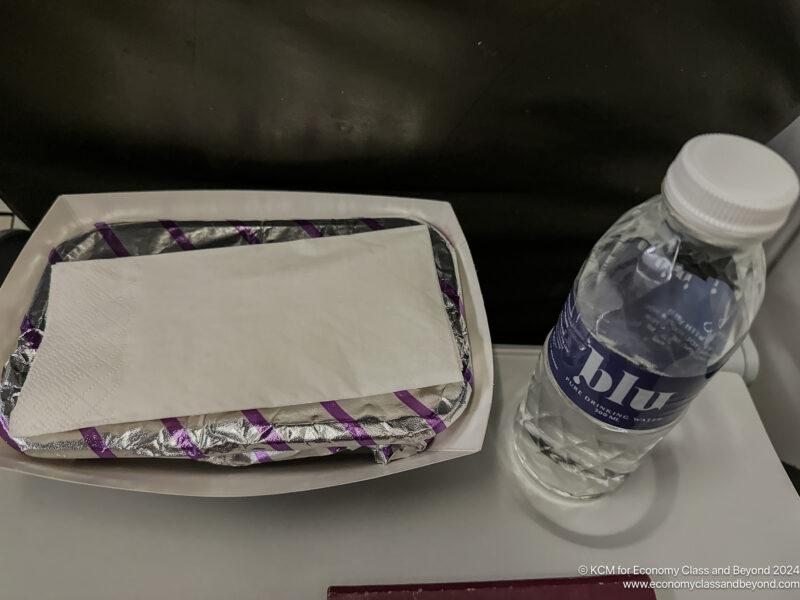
[[391, 426]]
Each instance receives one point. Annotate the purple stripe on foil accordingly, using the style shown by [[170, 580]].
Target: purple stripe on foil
[[245, 232], [111, 239], [177, 234], [336, 449], [358, 433], [5, 435], [26, 324], [423, 411], [451, 293], [387, 452], [309, 228], [267, 431], [33, 337], [262, 456], [371, 223], [95, 441], [54, 257], [468, 376], [181, 436]]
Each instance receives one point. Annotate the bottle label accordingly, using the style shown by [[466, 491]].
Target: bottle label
[[608, 386]]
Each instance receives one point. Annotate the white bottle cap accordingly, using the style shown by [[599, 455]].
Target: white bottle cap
[[730, 188]]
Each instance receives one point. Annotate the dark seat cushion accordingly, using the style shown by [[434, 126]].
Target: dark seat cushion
[[541, 121], [11, 243]]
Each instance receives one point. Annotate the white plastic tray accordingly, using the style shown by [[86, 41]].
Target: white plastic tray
[[72, 215]]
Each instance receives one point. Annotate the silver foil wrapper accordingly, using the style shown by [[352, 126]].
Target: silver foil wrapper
[[391, 426]]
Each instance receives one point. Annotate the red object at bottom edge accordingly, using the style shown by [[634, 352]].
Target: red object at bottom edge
[[611, 587]]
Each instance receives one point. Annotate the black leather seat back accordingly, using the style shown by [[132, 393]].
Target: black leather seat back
[[540, 120]]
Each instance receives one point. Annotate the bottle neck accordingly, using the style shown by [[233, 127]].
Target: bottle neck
[[687, 230]]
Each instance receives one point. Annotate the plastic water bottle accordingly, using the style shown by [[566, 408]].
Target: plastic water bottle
[[661, 303]]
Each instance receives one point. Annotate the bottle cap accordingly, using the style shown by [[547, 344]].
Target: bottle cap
[[730, 188]]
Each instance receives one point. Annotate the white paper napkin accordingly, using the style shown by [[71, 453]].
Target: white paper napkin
[[204, 331]]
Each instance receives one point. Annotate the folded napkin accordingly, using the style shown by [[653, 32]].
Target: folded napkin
[[142, 338]]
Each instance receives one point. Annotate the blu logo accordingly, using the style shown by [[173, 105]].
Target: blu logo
[[601, 382]]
